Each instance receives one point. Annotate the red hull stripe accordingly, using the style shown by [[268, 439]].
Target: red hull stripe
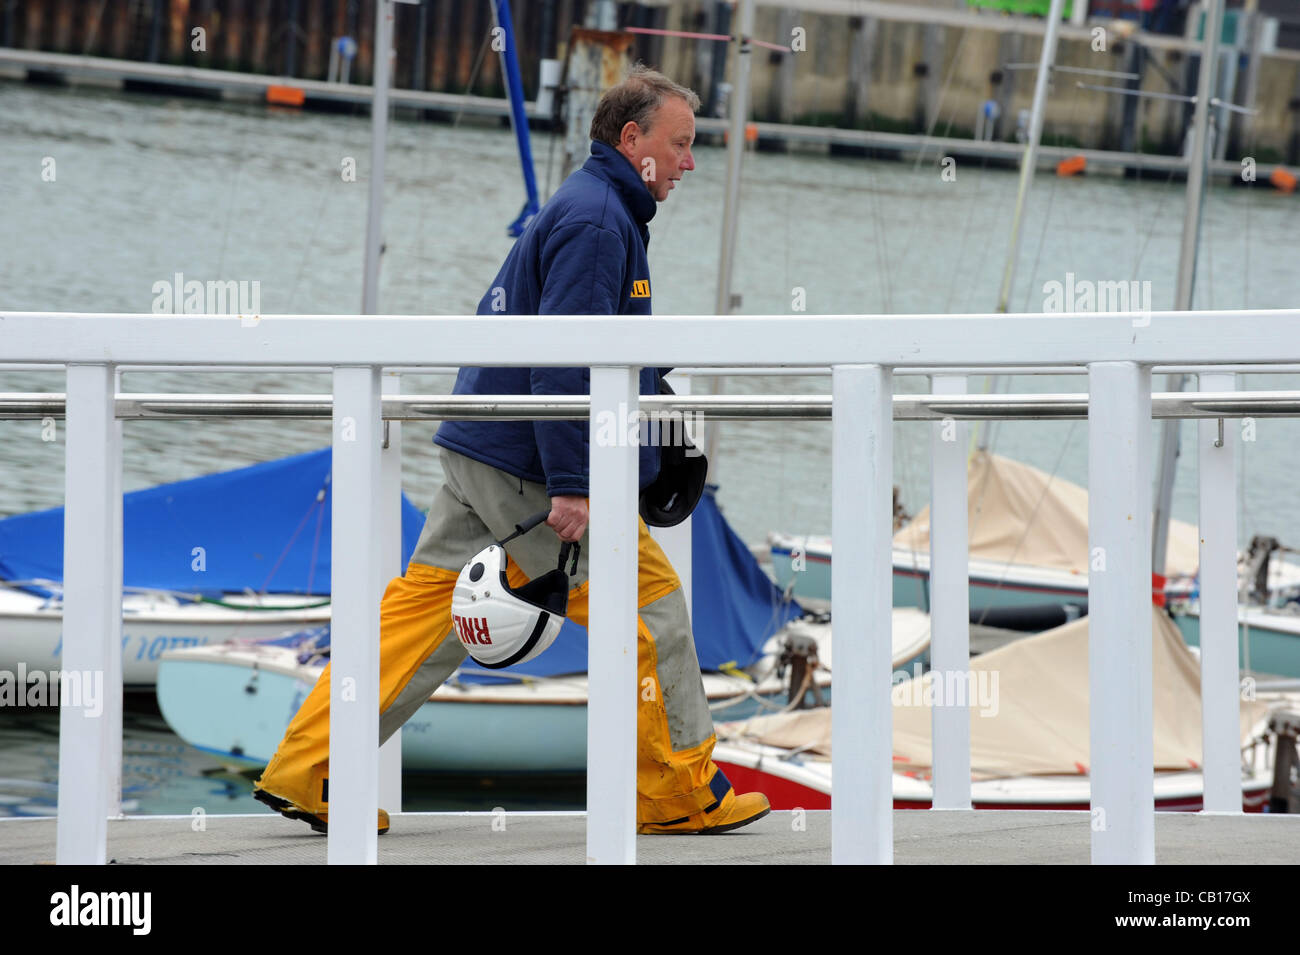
[[785, 794]]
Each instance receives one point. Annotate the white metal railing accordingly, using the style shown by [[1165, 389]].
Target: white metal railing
[[1117, 349], [726, 371]]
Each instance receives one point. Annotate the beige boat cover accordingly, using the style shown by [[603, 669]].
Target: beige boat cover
[[1021, 515], [1029, 709]]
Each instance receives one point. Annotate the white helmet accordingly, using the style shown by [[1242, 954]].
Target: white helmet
[[499, 625]]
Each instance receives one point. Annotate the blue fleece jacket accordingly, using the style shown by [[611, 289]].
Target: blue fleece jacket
[[584, 253]]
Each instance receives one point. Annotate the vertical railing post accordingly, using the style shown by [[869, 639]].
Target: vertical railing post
[[1119, 613], [612, 649], [354, 640], [390, 566], [113, 681], [92, 602], [1220, 706], [862, 725], [949, 602]]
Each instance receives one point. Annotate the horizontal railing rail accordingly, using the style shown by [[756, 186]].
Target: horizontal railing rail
[[1255, 337], [999, 407], [1118, 351], [725, 371]]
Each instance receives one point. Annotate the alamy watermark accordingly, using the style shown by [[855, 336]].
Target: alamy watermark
[[626, 427], [70, 688], [130, 909], [1086, 295], [974, 688], [177, 296]]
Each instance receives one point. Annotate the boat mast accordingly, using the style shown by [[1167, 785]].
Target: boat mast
[[518, 115], [1196, 172], [1027, 166], [1027, 161], [739, 108], [378, 149], [735, 152]]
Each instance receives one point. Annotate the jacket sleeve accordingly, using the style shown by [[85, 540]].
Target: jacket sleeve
[[582, 274], [563, 445], [582, 269]]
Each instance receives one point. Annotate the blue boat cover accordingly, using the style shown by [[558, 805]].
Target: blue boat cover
[[264, 528], [267, 528]]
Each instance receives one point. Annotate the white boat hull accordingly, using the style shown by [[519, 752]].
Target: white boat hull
[[793, 781], [238, 712], [31, 629], [236, 700]]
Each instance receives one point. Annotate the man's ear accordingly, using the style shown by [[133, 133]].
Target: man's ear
[[629, 134]]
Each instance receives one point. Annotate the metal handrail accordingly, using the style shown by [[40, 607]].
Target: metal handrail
[[709, 371], [1002, 407]]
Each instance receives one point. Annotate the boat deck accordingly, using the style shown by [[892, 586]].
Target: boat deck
[[920, 837]]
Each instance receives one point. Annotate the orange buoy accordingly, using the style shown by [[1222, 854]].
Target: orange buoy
[[1282, 180], [285, 96], [1071, 166], [751, 134]]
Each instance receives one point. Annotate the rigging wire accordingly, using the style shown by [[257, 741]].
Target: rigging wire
[[1161, 196], [914, 221], [1047, 214], [943, 94], [966, 230], [874, 203], [473, 77], [310, 242], [905, 458], [882, 260], [1207, 274], [1165, 193], [93, 33], [1246, 226], [317, 504]]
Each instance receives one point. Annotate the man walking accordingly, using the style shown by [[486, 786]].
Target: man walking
[[583, 254]]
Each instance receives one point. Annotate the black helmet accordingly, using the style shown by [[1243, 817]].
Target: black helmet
[[683, 469]]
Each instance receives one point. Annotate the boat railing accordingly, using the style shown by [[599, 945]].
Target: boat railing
[[1116, 350]]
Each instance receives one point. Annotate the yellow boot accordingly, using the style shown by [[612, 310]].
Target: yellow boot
[[318, 822], [415, 620], [731, 813]]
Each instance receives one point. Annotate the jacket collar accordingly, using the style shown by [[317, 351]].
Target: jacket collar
[[616, 169]]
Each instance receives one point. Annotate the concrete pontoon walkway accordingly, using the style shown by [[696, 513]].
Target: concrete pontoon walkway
[[942, 837]]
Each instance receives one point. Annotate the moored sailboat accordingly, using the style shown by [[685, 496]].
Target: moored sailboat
[[1029, 732]]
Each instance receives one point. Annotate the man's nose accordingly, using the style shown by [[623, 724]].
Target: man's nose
[[689, 163]]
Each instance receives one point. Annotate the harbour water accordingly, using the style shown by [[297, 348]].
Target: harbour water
[[162, 774], [145, 187]]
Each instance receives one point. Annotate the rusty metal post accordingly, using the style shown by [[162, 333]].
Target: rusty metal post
[[597, 60]]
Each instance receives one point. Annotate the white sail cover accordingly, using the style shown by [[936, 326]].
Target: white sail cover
[[1021, 515], [1029, 709]]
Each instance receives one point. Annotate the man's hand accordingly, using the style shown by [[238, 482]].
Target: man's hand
[[568, 517]]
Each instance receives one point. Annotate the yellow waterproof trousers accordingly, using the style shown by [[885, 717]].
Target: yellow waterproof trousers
[[418, 650]]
